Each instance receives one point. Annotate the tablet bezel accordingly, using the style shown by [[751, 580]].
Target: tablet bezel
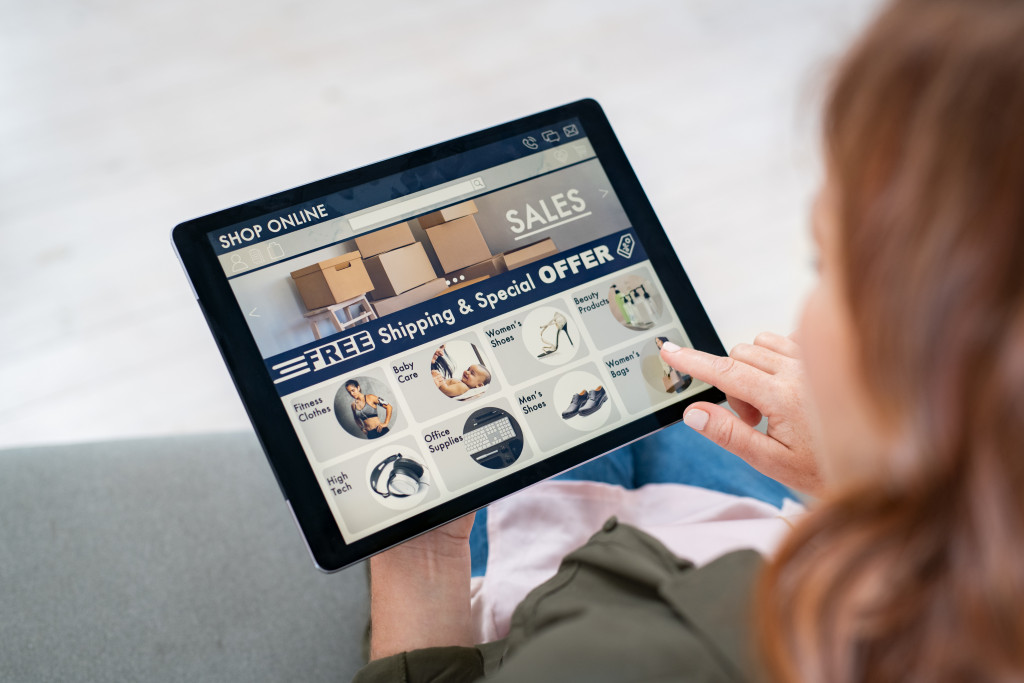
[[267, 412]]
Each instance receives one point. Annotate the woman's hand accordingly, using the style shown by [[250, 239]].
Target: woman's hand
[[434, 568], [437, 354], [763, 379], [447, 540]]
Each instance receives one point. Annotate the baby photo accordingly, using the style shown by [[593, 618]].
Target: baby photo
[[459, 371]]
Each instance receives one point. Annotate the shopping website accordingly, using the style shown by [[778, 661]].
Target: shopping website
[[437, 341]]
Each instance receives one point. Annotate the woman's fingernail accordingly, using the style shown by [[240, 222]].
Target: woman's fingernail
[[696, 419], [670, 347]]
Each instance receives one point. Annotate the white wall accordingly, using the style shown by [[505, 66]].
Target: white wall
[[121, 119]]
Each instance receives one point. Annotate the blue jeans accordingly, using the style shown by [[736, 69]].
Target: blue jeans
[[676, 455]]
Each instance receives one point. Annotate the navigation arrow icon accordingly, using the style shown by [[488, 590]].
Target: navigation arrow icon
[[253, 312]]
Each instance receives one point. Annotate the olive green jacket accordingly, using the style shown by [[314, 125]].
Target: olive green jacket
[[621, 608]]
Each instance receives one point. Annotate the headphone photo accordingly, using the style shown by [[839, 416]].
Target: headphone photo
[[404, 479]]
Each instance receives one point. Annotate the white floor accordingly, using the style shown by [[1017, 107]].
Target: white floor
[[120, 119]]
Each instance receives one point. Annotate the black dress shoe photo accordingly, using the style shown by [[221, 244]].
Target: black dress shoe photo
[[595, 399], [578, 400]]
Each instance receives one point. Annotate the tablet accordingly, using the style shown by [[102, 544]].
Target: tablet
[[415, 339]]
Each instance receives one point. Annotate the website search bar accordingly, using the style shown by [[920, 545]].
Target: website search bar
[[414, 204]]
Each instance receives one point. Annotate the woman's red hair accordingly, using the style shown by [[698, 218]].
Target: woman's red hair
[[919, 575]]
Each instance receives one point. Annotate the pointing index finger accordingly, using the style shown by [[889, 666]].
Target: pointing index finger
[[733, 377]]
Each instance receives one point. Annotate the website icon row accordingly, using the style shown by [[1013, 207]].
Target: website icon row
[[552, 136]]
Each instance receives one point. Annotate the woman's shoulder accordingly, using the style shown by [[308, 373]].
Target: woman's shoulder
[[623, 607]]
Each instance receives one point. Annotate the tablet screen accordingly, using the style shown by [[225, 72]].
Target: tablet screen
[[436, 330]]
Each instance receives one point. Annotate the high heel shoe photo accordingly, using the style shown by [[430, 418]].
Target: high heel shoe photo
[[561, 325]]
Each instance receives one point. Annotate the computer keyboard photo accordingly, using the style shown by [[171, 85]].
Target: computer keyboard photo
[[489, 435]]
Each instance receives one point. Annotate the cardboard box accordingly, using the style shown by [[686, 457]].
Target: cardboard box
[[412, 297], [332, 281], [379, 241], [492, 266], [529, 253], [399, 270], [449, 214], [458, 243]]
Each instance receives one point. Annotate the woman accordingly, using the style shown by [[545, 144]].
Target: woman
[[366, 411], [900, 402]]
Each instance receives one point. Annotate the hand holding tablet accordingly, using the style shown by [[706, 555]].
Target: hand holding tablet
[[442, 329]]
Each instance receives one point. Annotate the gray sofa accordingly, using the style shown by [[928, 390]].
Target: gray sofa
[[171, 559]]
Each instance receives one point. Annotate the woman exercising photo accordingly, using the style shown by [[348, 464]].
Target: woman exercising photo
[[366, 411]]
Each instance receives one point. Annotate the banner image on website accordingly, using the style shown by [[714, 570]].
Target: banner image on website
[[427, 358], [384, 271]]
